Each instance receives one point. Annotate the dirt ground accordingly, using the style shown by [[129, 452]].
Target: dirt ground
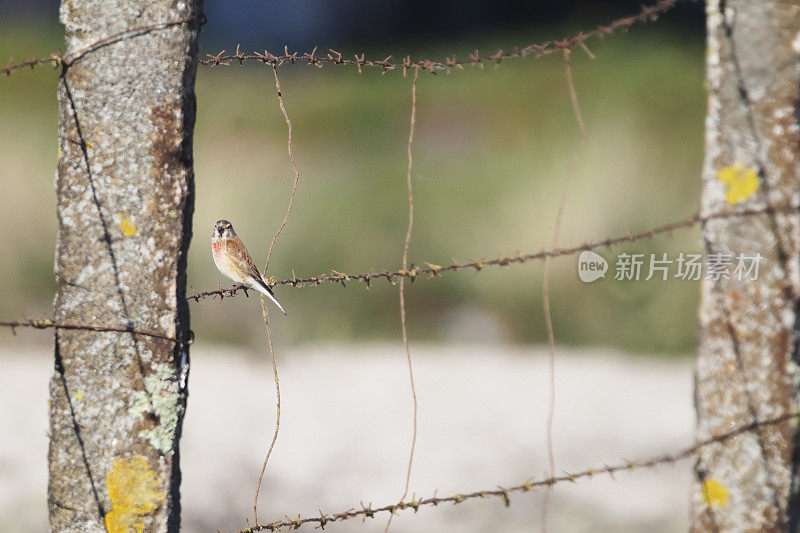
[[346, 431]]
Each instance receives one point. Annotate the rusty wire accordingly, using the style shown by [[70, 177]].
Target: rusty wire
[[57, 59], [332, 57], [432, 270], [402, 294], [548, 318], [505, 492], [264, 314], [49, 324]]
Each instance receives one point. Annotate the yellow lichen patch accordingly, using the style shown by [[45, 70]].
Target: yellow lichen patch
[[133, 489], [78, 395], [714, 493], [127, 227], [740, 182]]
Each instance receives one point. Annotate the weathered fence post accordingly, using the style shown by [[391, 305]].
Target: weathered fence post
[[125, 201], [747, 364]]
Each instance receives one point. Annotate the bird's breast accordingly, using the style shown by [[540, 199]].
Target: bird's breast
[[217, 249]]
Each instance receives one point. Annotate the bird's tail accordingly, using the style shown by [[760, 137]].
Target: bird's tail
[[261, 286]]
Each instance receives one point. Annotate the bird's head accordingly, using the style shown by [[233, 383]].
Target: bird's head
[[223, 230]]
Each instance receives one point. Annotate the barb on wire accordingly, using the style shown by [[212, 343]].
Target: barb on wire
[[57, 59], [505, 493], [432, 270], [49, 324], [332, 57]]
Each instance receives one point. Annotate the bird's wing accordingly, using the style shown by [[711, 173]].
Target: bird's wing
[[244, 263], [249, 270]]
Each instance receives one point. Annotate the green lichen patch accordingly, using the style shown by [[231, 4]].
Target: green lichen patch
[[162, 400]]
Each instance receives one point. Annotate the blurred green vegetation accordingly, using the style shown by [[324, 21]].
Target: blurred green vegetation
[[491, 153]]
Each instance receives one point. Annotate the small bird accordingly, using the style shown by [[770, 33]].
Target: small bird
[[232, 259]]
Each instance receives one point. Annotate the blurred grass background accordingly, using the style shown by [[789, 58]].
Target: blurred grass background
[[491, 153]]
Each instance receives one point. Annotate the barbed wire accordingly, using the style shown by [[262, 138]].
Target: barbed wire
[[646, 14], [57, 59], [505, 492], [49, 324], [413, 273], [432, 270], [54, 59]]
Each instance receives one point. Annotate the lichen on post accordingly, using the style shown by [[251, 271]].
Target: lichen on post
[[125, 197], [747, 364]]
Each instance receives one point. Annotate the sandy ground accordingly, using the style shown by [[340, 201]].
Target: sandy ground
[[346, 429]]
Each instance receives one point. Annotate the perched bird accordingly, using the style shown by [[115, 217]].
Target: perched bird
[[232, 259]]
